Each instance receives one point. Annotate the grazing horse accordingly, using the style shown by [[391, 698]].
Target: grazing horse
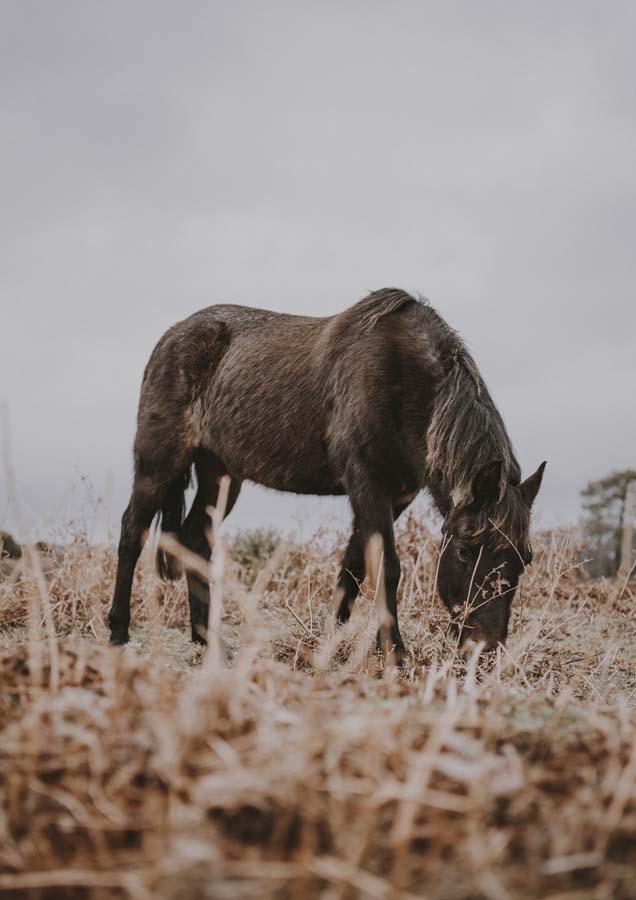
[[377, 403]]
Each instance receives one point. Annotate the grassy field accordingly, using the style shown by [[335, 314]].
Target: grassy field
[[289, 763]]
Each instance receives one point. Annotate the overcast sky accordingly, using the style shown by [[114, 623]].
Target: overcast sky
[[161, 157]]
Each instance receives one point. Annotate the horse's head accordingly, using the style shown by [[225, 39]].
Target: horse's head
[[486, 548]]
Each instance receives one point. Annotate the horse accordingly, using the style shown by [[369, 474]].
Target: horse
[[377, 402]]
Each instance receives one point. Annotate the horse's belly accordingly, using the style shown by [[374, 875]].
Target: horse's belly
[[278, 446], [282, 467]]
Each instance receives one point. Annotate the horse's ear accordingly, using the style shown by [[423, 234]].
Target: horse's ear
[[530, 487], [487, 481]]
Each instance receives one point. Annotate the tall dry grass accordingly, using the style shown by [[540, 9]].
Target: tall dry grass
[[299, 766]]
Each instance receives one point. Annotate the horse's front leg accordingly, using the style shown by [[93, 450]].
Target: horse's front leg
[[373, 515], [352, 570], [350, 577]]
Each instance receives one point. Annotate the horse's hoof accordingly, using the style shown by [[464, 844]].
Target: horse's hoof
[[392, 649], [199, 635], [399, 658], [119, 638]]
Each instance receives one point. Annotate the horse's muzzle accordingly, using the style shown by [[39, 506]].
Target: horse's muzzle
[[470, 634]]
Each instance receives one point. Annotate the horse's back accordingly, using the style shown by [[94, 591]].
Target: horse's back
[[252, 325]]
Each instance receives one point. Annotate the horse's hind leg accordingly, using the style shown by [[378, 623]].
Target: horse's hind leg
[[145, 501], [194, 535]]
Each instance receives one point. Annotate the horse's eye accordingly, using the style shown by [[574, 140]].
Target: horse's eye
[[465, 552]]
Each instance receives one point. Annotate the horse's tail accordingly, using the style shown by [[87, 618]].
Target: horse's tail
[[171, 519]]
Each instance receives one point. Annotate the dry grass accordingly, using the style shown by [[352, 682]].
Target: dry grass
[[301, 768]]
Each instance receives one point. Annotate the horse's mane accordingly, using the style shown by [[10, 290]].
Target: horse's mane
[[466, 431]]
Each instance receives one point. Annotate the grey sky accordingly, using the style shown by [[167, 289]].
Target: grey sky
[[160, 157]]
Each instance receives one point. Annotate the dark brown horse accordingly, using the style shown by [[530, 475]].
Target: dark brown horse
[[377, 403]]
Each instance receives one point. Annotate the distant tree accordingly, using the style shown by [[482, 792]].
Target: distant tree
[[8, 546], [604, 505]]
